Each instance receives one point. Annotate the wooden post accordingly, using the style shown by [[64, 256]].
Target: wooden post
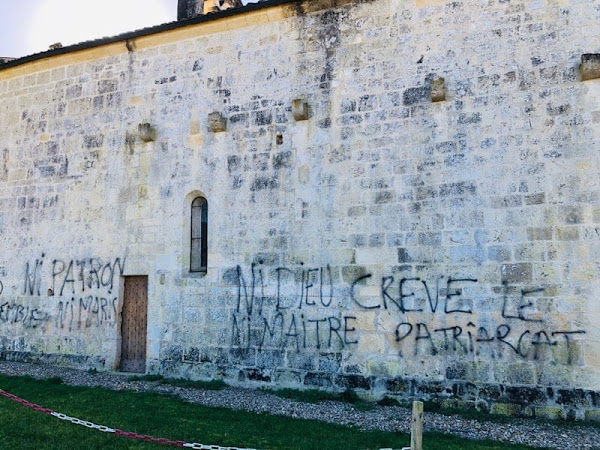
[[416, 431], [416, 428]]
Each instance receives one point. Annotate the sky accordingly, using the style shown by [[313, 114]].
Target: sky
[[31, 26]]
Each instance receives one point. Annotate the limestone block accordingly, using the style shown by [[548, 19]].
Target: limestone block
[[216, 122], [366, 322], [592, 415], [300, 109], [590, 66], [429, 3], [549, 412], [371, 343], [438, 90], [506, 409], [147, 132]]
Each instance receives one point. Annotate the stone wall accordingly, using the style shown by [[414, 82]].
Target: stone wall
[[389, 243]]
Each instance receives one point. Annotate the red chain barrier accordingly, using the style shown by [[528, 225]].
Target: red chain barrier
[[14, 398], [147, 438], [143, 437]]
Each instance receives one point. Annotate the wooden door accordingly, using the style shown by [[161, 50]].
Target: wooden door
[[133, 324]]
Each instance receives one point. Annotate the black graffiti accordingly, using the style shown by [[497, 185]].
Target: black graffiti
[[305, 284], [248, 293], [15, 313], [293, 330], [469, 339], [89, 273], [407, 294], [523, 304], [85, 312], [74, 276], [291, 323], [33, 277]]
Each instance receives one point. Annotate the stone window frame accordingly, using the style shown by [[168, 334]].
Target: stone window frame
[[198, 247]]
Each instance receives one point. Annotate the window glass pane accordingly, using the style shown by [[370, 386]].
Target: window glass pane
[[205, 213], [199, 235], [198, 201], [204, 245], [196, 259], [196, 222]]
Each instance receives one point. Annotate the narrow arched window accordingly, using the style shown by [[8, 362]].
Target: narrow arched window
[[199, 242]]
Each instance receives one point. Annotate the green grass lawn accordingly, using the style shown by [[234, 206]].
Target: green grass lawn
[[165, 416]]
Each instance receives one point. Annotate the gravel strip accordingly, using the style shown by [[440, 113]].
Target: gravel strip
[[388, 418]]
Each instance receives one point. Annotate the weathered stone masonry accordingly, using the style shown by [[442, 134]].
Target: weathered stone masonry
[[389, 244]]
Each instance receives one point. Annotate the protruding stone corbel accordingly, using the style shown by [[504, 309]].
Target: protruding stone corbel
[[147, 132], [590, 66], [216, 122], [300, 109], [438, 90]]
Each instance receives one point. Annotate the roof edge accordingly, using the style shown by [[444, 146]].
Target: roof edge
[[145, 32]]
